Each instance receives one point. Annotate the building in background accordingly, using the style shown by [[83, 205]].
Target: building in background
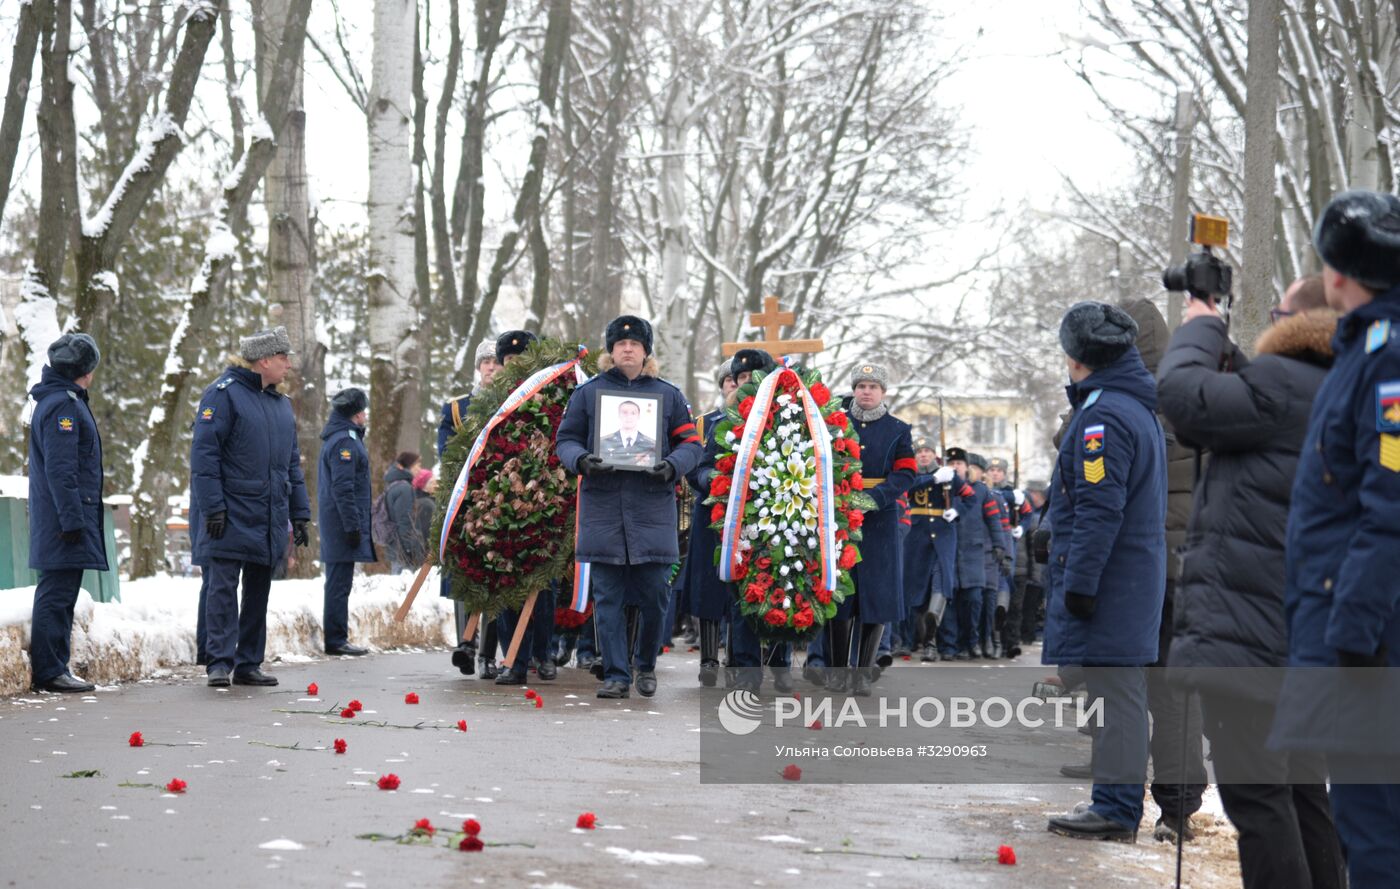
[[992, 424]]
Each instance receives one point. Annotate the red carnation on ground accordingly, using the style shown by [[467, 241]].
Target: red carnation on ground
[[356, 705], [586, 821], [471, 827], [423, 825], [313, 689], [471, 844], [176, 786], [746, 406], [347, 713], [1006, 855], [775, 617], [816, 725], [539, 702], [820, 394], [719, 485], [792, 773], [531, 694], [389, 782], [340, 745], [411, 698], [461, 725], [136, 740]]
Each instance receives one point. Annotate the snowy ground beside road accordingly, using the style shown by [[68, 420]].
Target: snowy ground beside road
[[151, 630], [257, 812]]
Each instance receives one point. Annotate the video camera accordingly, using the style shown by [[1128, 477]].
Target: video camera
[[1204, 275]]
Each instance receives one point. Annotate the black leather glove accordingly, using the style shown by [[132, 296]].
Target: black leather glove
[[353, 538], [594, 465], [215, 523], [1352, 659], [1081, 606], [1040, 545], [663, 471], [71, 536], [1003, 560], [300, 536]]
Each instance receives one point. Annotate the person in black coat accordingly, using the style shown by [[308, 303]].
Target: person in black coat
[[1252, 417], [343, 508], [65, 505], [398, 501]]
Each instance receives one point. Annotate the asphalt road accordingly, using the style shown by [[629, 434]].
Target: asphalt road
[[255, 814]]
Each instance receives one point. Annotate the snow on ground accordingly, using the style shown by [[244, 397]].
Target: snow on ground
[[152, 628]]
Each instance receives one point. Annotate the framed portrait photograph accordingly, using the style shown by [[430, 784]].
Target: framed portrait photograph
[[627, 429]]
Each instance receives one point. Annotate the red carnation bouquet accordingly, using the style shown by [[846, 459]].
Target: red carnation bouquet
[[778, 577], [513, 533]]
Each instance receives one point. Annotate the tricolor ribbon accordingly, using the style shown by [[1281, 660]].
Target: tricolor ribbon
[[745, 456], [523, 393], [583, 571]]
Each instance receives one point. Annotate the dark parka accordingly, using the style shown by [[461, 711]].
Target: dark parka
[[628, 517], [343, 501], [1252, 418], [65, 478], [398, 502], [1181, 458], [887, 465], [1109, 518], [709, 597], [1343, 542], [244, 461]]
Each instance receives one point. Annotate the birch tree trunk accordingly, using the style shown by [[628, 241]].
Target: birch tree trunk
[[393, 316], [291, 257], [1251, 314], [31, 19], [675, 328]]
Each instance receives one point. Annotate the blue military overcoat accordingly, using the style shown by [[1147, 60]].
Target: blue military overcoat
[[709, 597], [343, 500], [887, 465], [65, 478]]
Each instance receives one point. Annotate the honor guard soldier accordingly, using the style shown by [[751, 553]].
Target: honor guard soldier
[[343, 512], [979, 534], [1343, 543], [65, 505], [627, 518], [246, 481], [709, 596], [930, 549], [887, 468], [454, 414], [1108, 556]]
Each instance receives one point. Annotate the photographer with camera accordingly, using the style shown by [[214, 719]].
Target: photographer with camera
[[1251, 416]]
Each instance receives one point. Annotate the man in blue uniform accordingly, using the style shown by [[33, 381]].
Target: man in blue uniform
[[1013, 506], [979, 532], [246, 479], [1108, 556], [65, 505], [627, 520], [930, 547], [343, 507], [454, 414], [994, 558], [1343, 547], [887, 468], [710, 598]]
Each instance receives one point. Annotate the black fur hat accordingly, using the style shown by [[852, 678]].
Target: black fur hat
[[955, 454], [74, 355], [512, 342], [628, 327], [750, 360], [349, 402], [1359, 235], [1097, 334]]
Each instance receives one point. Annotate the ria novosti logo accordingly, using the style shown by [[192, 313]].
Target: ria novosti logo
[[740, 712]]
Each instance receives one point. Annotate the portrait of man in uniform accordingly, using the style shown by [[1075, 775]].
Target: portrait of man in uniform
[[627, 435]]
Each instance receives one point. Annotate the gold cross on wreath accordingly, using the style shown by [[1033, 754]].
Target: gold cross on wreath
[[772, 321]]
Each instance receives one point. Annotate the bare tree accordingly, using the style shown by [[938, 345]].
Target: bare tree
[[31, 19]]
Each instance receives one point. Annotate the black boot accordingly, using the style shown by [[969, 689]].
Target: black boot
[[838, 651], [689, 635], [565, 652], [869, 643], [709, 653], [782, 680], [486, 656]]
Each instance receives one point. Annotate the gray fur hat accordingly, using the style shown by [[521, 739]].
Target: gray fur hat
[[1097, 334], [74, 355], [265, 344], [977, 460], [484, 349], [722, 371], [873, 373]]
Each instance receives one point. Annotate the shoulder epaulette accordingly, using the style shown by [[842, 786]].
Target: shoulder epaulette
[[1093, 397], [354, 436], [224, 383], [72, 395], [1377, 335]]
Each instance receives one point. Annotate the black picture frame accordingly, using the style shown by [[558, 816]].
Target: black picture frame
[[609, 417]]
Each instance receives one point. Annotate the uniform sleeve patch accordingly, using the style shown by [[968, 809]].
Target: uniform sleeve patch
[[206, 414], [65, 424], [1093, 439], [1093, 470], [1388, 406], [1377, 335], [346, 456]]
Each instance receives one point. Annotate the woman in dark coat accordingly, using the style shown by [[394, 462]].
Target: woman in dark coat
[[1252, 418]]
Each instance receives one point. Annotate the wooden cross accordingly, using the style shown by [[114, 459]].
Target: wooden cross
[[772, 321]]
